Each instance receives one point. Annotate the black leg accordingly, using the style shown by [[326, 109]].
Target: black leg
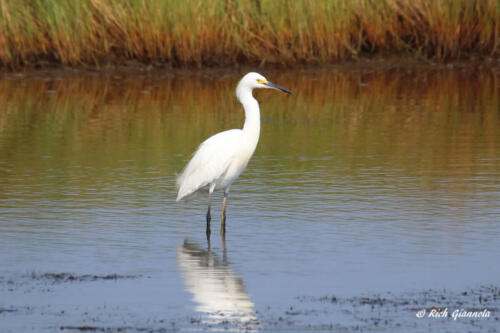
[[208, 222], [208, 213]]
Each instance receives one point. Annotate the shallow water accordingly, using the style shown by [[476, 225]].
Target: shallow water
[[364, 182]]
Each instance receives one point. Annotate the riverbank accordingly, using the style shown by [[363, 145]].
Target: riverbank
[[364, 65], [195, 33]]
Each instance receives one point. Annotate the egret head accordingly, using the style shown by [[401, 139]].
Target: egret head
[[254, 80]]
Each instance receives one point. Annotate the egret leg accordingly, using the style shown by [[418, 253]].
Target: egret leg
[[208, 215], [223, 216], [208, 221], [210, 191]]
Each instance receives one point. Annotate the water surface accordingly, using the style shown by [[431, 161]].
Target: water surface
[[364, 182]]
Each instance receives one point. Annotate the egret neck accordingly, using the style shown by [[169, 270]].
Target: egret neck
[[251, 127]]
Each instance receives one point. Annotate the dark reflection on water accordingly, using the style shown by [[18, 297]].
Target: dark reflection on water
[[363, 181], [218, 291]]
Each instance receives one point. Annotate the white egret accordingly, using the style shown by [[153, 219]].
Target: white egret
[[221, 158]]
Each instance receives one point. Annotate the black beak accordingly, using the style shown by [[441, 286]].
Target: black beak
[[275, 86]]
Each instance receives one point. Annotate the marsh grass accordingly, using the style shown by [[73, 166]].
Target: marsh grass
[[224, 32]]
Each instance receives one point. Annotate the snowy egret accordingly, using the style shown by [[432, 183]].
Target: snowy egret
[[221, 158]]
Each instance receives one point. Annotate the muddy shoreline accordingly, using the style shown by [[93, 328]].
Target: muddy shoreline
[[388, 311], [132, 68]]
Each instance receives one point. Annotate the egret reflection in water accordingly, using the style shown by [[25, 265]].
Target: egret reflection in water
[[218, 291]]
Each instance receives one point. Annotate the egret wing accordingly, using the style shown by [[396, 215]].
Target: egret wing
[[208, 164]]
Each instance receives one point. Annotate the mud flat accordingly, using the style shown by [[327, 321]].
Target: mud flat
[[445, 310]]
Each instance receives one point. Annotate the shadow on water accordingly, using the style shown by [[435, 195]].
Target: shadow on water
[[218, 291]]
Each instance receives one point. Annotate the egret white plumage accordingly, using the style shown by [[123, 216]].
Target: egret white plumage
[[221, 158]]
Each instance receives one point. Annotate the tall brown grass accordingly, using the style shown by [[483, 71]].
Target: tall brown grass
[[229, 32]]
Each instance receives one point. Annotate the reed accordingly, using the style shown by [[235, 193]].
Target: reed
[[231, 32]]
